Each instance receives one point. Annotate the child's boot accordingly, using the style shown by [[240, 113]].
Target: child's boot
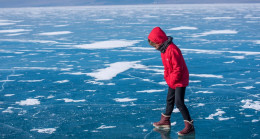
[[164, 122], [189, 128]]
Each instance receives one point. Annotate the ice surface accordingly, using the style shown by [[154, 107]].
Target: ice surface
[[89, 72]]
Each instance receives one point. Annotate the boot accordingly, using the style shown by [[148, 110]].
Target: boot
[[189, 128], [164, 122]]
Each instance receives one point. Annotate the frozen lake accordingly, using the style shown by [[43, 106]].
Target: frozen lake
[[88, 72]]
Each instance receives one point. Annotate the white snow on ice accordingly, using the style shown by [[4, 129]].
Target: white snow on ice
[[105, 127], [45, 130], [54, 33], [14, 30], [62, 81], [8, 110], [110, 44], [6, 24], [103, 20], [218, 113], [28, 41], [183, 28], [30, 81], [213, 18], [173, 123], [149, 91], [250, 104], [205, 92], [9, 95], [248, 87], [71, 100], [29, 102], [206, 75], [35, 68], [201, 51], [125, 99], [111, 71], [214, 32]]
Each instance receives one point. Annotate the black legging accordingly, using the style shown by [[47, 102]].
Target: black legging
[[176, 96]]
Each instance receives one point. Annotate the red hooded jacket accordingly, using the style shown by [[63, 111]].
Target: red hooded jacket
[[176, 73]]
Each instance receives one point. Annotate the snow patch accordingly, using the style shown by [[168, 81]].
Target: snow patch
[[29, 102], [45, 130], [28, 41], [257, 41], [204, 92], [8, 110], [31, 81], [248, 87], [62, 81], [110, 44], [105, 127], [224, 119], [111, 71], [102, 20], [9, 95], [35, 68], [237, 57], [214, 32], [125, 99], [14, 30], [183, 28], [6, 24], [213, 18], [55, 33], [250, 104], [218, 113], [149, 91], [71, 100], [173, 123], [207, 75]]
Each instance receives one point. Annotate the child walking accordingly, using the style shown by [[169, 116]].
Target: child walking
[[176, 75]]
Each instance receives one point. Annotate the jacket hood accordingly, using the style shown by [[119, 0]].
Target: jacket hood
[[157, 36]]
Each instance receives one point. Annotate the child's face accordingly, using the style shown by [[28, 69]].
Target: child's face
[[156, 46]]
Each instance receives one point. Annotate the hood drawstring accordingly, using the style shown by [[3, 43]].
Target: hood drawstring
[[164, 46]]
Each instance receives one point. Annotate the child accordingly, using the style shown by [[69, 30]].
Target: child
[[176, 75]]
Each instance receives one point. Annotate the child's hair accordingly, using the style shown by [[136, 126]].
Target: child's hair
[[151, 43]]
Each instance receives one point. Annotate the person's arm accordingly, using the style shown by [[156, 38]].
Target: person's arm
[[175, 61]]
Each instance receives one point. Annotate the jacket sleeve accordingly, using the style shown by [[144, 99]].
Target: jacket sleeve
[[176, 65]]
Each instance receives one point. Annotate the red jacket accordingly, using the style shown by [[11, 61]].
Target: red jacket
[[176, 73]]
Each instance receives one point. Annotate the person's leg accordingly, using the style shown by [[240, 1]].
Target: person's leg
[[165, 118], [170, 101], [179, 101]]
